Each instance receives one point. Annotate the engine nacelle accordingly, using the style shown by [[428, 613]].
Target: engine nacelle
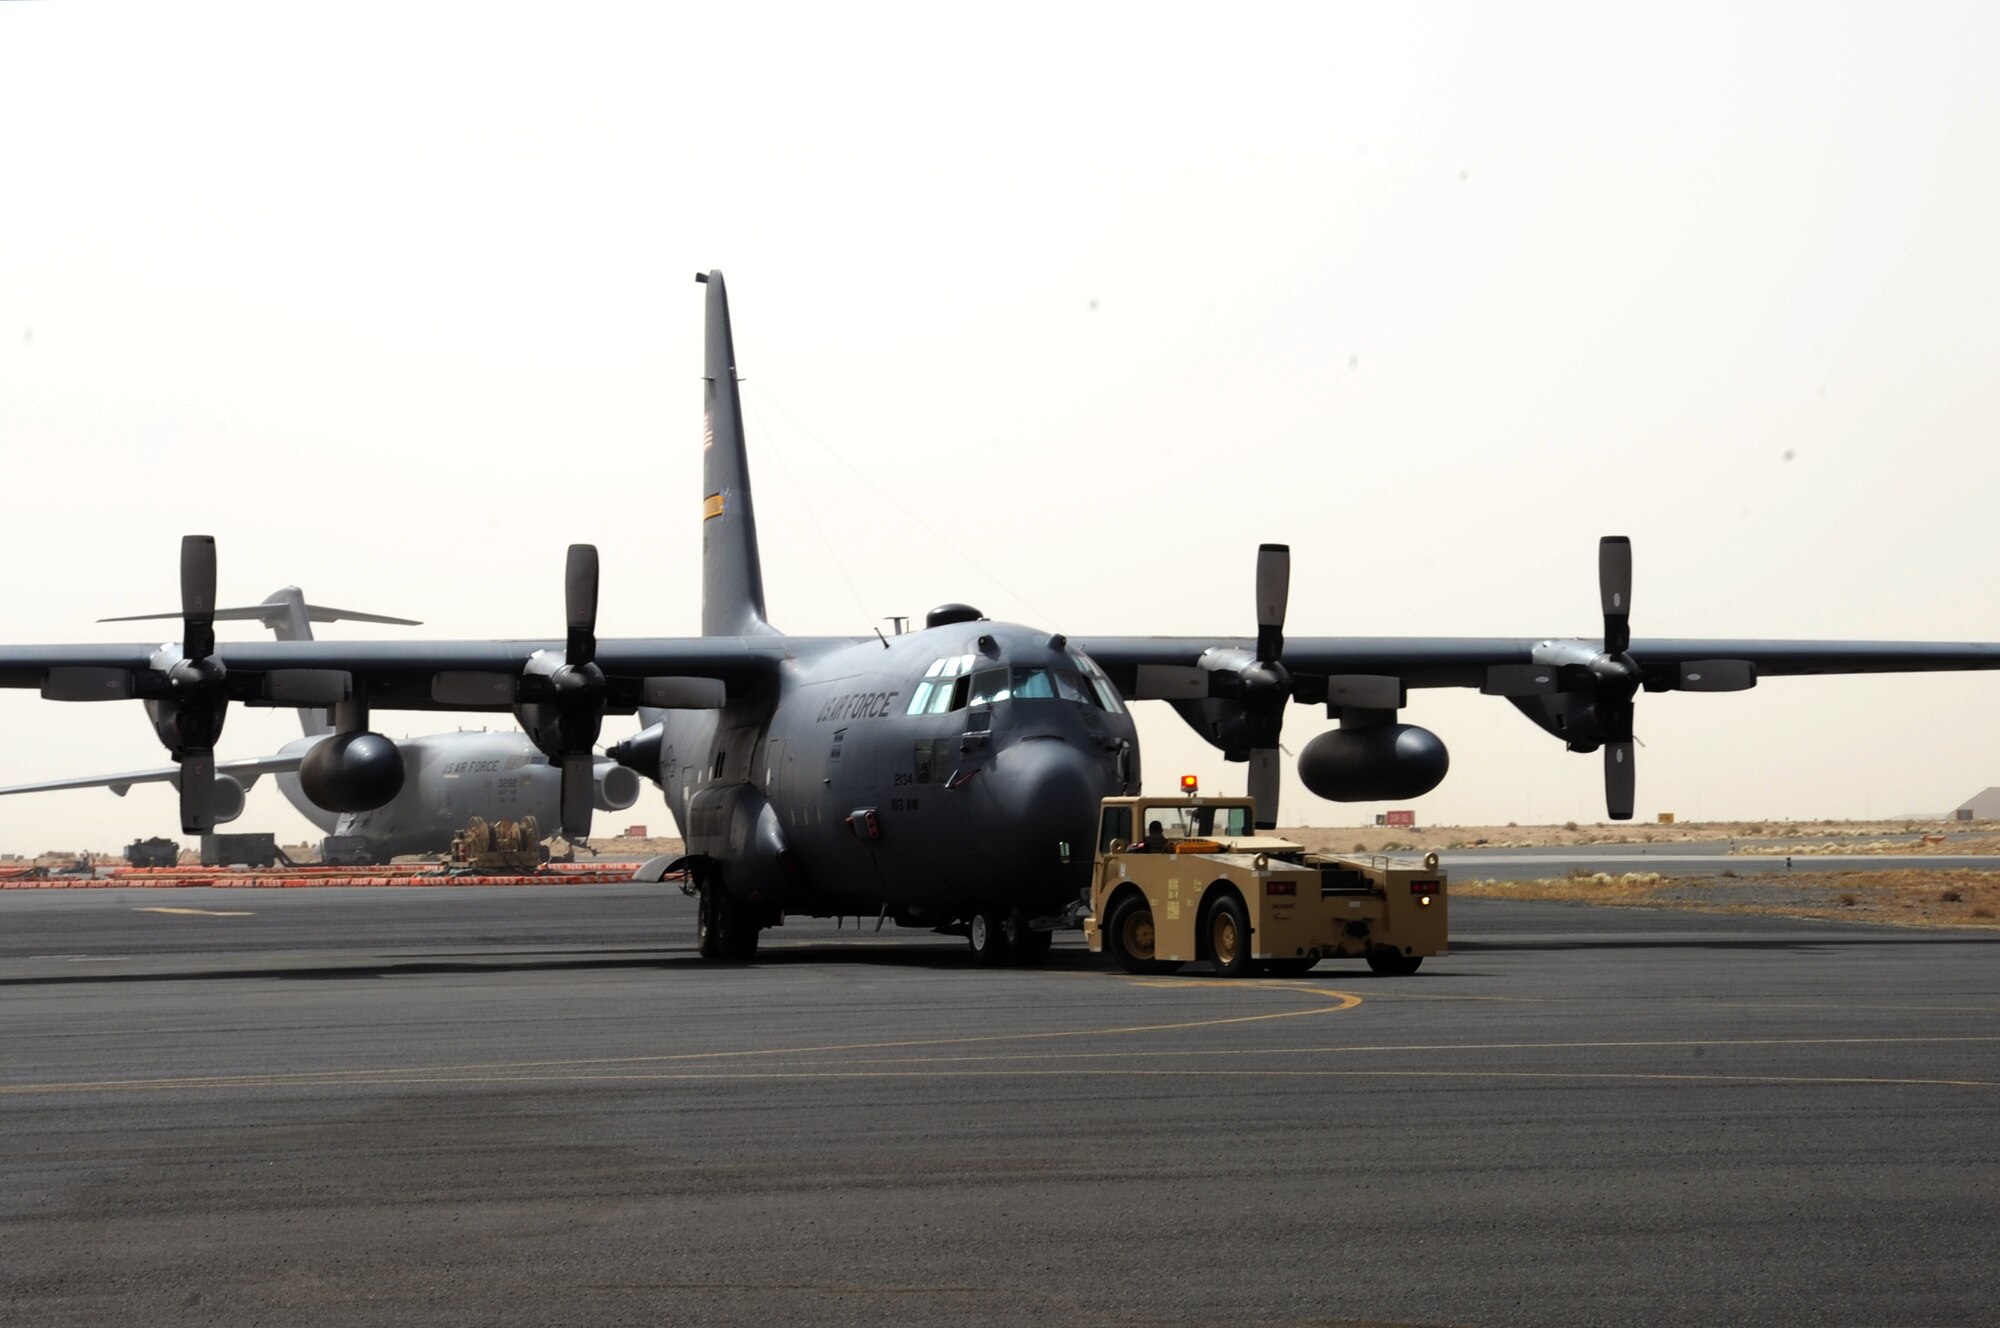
[[640, 752], [229, 800], [615, 788], [352, 772], [1380, 763]]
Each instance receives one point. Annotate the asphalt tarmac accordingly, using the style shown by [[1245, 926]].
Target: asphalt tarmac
[[1694, 858], [460, 1106]]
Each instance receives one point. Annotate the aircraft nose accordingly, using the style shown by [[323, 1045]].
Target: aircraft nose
[[1048, 792]]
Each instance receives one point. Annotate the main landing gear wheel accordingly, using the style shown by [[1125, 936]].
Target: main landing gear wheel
[[1026, 947], [1229, 937], [1390, 964], [986, 930], [725, 928], [1128, 935]]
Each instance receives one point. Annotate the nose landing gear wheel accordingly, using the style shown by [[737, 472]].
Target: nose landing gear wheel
[[987, 932], [725, 927]]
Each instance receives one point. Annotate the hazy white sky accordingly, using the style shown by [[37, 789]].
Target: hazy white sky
[[396, 301]]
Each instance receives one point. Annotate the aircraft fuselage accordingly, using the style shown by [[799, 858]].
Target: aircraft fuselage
[[961, 765]]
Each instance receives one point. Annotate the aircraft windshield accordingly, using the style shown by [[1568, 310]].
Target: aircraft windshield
[[952, 684]]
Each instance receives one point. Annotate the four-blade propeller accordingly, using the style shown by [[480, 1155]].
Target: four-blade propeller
[[1583, 691], [1240, 694], [187, 691], [561, 698]]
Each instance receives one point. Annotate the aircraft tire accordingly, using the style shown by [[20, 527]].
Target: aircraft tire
[[725, 927], [1026, 947], [1290, 968], [1227, 927], [986, 930], [1389, 964], [1128, 935], [708, 922]]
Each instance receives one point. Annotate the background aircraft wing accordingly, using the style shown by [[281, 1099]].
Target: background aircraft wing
[[245, 772]]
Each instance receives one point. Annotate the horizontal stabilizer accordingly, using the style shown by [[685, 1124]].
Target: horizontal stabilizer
[[268, 612]]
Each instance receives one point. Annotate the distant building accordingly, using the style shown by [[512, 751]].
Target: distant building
[[1981, 806]]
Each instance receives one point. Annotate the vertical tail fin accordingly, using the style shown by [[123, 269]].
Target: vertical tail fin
[[289, 621], [732, 577], [290, 618]]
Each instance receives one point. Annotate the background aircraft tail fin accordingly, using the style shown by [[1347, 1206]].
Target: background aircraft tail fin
[[732, 577], [290, 618]]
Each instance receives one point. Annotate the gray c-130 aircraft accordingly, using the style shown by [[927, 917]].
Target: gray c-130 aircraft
[[948, 777], [441, 780]]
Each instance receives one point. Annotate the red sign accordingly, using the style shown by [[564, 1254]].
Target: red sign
[[1400, 818]]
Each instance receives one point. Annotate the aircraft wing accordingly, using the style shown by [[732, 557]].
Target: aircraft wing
[[1234, 691], [244, 772], [559, 689], [1420, 661]]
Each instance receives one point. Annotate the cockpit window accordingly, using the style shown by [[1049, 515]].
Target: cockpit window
[[989, 686], [1034, 685], [937, 694], [952, 684], [1100, 686], [1071, 687]]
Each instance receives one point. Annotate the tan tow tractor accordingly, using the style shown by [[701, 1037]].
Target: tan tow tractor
[[1188, 878]]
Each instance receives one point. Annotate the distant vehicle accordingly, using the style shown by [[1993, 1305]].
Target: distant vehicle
[[435, 783], [154, 852], [255, 849]]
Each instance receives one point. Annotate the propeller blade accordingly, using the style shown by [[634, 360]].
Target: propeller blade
[[1520, 680], [577, 794], [88, 684], [580, 599], [1614, 586], [197, 596], [1264, 785], [1169, 682], [197, 781], [1620, 780], [684, 693], [1716, 675], [1274, 588], [308, 687], [454, 687]]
